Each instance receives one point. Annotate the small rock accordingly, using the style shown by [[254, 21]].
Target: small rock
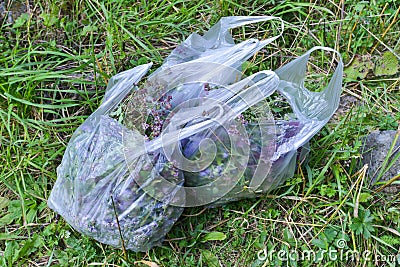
[[376, 149], [12, 10]]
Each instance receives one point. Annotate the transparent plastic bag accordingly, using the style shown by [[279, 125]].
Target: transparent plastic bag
[[93, 188], [287, 140], [131, 180]]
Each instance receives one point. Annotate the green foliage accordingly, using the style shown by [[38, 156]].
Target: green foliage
[[363, 224], [328, 190], [210, 259], [387, 65], [391, 240], [214, 236], [363, 65], [359, 67], [329, 239]]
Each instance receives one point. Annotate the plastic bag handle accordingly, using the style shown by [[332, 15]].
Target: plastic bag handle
[[298, 66], [246, 97], [292, 77], [225, 24]]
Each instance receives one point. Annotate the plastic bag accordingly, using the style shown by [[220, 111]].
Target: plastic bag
[[130, 181], [288, 139], [93, 190]]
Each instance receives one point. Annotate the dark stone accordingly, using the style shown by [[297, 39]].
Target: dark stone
[[11, 10], [376, 150]]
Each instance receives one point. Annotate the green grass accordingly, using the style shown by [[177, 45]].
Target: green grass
[[55, 63]]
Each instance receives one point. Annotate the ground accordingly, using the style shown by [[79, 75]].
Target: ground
[[57, 57]]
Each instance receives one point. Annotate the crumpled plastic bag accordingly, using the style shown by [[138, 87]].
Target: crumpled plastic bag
[[182, 140]]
